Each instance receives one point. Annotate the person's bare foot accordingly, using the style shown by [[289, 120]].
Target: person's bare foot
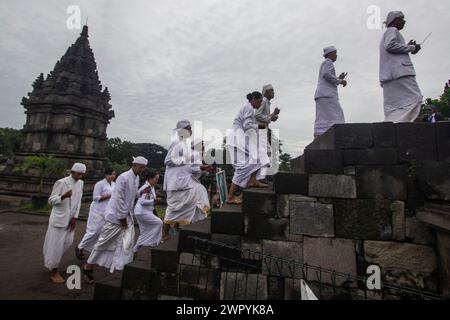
[[165, 238], [56, 277], [258, 184], [234, 200]]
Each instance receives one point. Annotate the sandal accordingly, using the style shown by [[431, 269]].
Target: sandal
[[236, 201]]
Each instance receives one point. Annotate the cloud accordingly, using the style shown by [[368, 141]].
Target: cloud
[[197, 59]]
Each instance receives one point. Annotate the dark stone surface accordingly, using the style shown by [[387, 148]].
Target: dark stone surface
[[383, 134], [259, 201], [345, 136], [311, 218], [108, 288], [382, 182], [228, 220], [415, 198], [416, 141], [199, 283], [275, 288], [443, 140], [290, 183], [201, 229], [387, 156], [323, 161], [332, 186], [168, 284], [434, 180], [363, 219], [264, 227], [140, 281], [165, 256], [298, 164]]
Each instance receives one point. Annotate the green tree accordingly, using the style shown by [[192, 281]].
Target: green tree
[[285, 162], [10, 140], [45, 165], [443, 103]]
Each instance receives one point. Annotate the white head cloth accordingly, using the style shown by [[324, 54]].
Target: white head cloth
[[140, 160], [265, 88], [328, 50], [392, 16], [183, 124], [79, 167]]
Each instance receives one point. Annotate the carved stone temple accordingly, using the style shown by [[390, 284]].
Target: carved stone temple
[[67, 116]]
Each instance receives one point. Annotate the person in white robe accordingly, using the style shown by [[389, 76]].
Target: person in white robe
[[183, 191], [66, 201], [150, 225], [264, 117], [96, 219], [402, 95], [328, 108], [198, 167], [114, 247], [247, 155]]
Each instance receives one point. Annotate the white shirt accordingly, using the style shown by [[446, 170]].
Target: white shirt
[[328, 82], [64, 210], [395, 61], [122, 200], [262, 114], [245, 119], [178, 175], [101, 188], [146, 202]]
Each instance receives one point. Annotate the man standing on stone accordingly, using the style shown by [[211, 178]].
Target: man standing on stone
[[402, 95], [96, 219], [328, 108], [66, 201], [114, 247], [264, 118]]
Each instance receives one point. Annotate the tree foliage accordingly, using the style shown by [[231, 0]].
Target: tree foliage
[[10, 140], [443, 103]]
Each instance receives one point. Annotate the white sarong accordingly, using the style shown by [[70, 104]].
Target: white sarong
[[150, 230], [328, 113], [187, 206], [57, 242], [111, 251], [402, 99], [94, 227]]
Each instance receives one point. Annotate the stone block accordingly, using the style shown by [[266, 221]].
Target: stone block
[[345, 136], [298, 164], [311, 218], [335, 254], [227, 220], [243, 286], [283, 206], [405, 264], [290, 183], [443, 250], [200, 229], [434, 180], [199, 283], [416, 141], [199, 260], [418, 232], [323, 161], [259, 202], [229, 240], [363, 219], [275, 288], [263, 227], [398, 220], [387, 156], [109, 288], [332, 186], [443, 140], [168, 284], [279, 258], [383, 134], [139, 281], [382, 182]]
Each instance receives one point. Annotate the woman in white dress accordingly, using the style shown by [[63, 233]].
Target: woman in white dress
[[248, 156], [150, 225]]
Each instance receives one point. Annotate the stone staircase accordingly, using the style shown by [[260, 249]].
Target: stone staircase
[[361, 194]]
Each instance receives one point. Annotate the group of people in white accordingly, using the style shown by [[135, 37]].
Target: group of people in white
[[116, 205]]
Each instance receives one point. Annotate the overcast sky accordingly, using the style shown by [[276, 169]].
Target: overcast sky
[[165, 60]]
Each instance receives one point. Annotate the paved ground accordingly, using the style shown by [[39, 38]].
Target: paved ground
[[22, 271]]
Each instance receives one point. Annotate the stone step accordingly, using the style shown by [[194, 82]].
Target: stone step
[[200, 229], [291, 183], [259, 202], [440, 206], [298, 164], [109, 288], [139, 281], [437, 216], [228, 220], [165, 256]]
